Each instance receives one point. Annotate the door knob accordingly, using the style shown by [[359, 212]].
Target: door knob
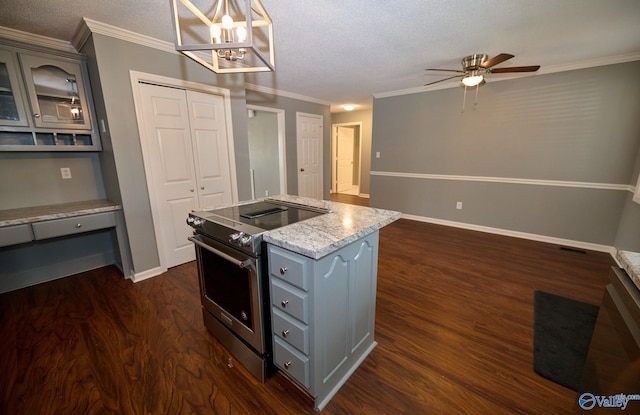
[[302, 169]]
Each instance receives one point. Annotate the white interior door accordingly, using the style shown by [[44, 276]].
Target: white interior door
[[309, 142], [168, 135], [210, 150], [344, 156], [188, 160]]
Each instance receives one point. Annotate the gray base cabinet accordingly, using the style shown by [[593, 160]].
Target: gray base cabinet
[[323, 314]]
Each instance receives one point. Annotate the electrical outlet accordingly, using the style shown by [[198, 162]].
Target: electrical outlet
[[65, 172], [377, 154], [459, 205]]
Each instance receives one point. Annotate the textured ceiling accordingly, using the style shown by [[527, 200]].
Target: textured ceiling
[[341, 51]]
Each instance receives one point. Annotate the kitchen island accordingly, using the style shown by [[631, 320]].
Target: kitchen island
[[327, 233], [322, 280]]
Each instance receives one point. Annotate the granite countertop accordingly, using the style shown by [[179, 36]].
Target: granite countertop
[[47, 212], [321, 235], [630, 262]]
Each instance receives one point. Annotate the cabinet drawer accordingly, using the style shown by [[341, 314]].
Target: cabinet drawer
[[291, 331], [76, 224], [291, 361], [289, 299], [289, 267], [16, 234]]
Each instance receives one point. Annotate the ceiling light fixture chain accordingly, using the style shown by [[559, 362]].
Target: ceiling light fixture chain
[[464, 98], [238, 38]]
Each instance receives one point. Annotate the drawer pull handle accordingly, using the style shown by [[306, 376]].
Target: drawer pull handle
[[287, 364], [284, 303], [283, 270], [285, 333], [78, 225]]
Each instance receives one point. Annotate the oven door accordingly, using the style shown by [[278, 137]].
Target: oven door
[[230, 287]]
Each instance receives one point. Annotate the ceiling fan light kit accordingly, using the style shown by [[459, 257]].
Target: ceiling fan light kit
[[473, 78], [230, 36], [476, 67]]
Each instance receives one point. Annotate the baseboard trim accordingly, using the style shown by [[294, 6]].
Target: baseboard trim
[[516, 234], [145, 275]]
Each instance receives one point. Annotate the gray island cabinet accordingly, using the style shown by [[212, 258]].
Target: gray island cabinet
[[323, 275]]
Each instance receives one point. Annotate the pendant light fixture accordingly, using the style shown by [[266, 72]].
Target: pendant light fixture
[[230, 36]]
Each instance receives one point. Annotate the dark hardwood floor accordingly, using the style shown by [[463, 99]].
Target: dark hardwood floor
[[454, 326], [351, 199]]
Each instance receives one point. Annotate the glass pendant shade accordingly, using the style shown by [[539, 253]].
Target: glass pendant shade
[[473, 79]]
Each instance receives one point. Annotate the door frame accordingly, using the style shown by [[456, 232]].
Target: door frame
[[138, 77], [334, 154], [282, 143]]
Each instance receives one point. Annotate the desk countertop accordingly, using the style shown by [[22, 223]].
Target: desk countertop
[[47, 212]]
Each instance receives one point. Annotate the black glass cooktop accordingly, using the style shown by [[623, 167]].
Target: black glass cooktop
[[257, 210], [267, 215]]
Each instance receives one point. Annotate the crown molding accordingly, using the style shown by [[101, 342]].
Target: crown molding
[[37, 40], [285, 94], [590, 63], [89, 26]]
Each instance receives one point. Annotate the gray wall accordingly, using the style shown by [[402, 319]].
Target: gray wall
[[110, 61], [364, 117], [33, 179], [628, 236], [576, 126], [290, 107]]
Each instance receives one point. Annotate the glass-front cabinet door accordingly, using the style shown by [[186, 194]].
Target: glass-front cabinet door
[[56, 92], [12, 105], [45, 100]]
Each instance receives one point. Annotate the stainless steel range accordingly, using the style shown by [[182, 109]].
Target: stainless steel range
[[232, 270]]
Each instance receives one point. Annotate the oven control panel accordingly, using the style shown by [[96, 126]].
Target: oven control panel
[[241, 239], [194, 221], [234, 234]]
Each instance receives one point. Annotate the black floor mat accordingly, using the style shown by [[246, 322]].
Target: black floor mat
[[562, 332]]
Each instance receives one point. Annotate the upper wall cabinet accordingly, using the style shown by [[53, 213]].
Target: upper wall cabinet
[[45, 102], [12, 105]]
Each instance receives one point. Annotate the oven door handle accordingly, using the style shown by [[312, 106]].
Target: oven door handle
[[244, 263]]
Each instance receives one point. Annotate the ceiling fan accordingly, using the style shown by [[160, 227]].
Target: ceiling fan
[[475, 67]]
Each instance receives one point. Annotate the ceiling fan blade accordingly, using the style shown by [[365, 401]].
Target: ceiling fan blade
[[516, 69], [496, 60], [442, 80], [444, 70]]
